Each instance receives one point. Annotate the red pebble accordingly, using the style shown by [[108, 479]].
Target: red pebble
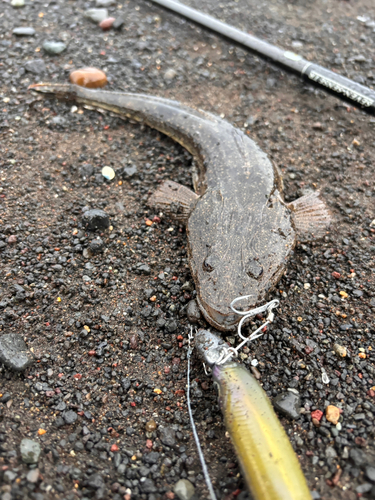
[[77, 376], [149, 444], [371, 393], [132, 403], [336, 275], [114, 448], [179, 392], [360, 441], [91, 353], [156, 219], [169, 495], [49, 394], [167, 370], [317, 414]]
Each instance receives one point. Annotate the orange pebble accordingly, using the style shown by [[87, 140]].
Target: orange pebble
[[41, 432], [91, 78]]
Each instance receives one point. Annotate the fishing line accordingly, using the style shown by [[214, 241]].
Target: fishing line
[[195, 434]]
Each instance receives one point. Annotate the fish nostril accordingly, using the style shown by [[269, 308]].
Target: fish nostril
[[207, 266], [254, 269]]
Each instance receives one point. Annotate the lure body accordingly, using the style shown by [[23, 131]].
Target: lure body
[[268, 461]]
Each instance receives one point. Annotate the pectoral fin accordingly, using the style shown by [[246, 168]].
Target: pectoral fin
[[175, 200], [310, 215]]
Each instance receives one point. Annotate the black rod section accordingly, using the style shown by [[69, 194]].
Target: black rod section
[[337, 84]]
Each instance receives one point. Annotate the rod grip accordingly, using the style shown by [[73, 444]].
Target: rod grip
[[340, 84]]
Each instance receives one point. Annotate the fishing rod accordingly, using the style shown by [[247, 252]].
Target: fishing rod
[[339, 85]]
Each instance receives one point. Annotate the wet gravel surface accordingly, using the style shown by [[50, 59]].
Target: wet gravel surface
[[101, 412]]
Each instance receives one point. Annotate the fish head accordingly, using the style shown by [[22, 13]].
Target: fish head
[[64, 91], [236, 253]]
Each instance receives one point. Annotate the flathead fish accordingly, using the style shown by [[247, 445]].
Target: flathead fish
[[240, 231]]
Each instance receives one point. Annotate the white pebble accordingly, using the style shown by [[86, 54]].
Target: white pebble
[[17, 3]]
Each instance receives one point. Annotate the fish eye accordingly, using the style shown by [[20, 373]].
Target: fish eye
[[254, 269]]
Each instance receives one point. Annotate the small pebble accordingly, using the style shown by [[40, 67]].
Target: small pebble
[[96, 15], [118, 23], [96, 246], [332, 414], [30, 451], [288, 403], [33, 475], [17, 3], [170, 74], [91, 78], [24, 31], [340, 350], [184, 489], [106, 24], [108, 173], [105, 3], [36, 66], [95, 219], [54, 48], [193, 312], [151, 426], [14, 352]]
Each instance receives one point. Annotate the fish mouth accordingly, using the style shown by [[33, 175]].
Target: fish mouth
[[223, 322]]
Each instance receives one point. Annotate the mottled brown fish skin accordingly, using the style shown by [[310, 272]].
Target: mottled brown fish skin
[[240, 232]]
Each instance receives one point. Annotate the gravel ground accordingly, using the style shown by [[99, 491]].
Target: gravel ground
[[104, 312]]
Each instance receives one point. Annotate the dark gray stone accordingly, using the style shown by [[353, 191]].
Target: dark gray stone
[[193, 312], [118, 23], [363, 488], [95, 481], [95, 219], [288, 403], [131, 170], [151, 458], [148, 486], [167, 436], [70, 417], [357, 457], [144, 269], [35, 66], [370, 472], [96, 246], [171, 326], [14, 353]]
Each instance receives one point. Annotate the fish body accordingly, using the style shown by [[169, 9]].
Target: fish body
[[270, 466], [240, 232]]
